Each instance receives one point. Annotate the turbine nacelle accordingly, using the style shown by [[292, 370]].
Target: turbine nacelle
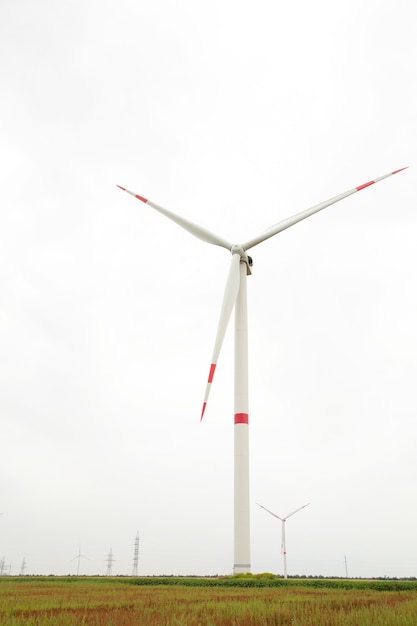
[[245, 258]]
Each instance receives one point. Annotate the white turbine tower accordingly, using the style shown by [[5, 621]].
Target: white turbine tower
[[235, 296], [283, 520]]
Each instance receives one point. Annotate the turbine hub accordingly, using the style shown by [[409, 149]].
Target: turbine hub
[[244, 258]]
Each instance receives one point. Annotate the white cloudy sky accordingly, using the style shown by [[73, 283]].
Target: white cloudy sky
[[235, 114]]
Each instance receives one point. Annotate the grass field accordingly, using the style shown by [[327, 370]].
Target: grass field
[[211, 602]]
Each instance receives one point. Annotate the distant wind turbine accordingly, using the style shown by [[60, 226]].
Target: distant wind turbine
[[283, 520], [79, 557], [235, 297]]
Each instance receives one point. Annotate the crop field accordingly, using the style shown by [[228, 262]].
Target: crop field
[[204, 602]]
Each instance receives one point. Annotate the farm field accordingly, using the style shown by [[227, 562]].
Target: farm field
[[197, 602]]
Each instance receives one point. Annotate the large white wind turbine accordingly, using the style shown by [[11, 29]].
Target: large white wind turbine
[[235, 296], [283, 520]]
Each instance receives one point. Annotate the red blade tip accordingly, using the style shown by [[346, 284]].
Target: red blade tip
[[371, 182], [122, 188]]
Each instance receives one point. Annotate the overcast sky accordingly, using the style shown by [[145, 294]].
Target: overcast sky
[[235, 114]]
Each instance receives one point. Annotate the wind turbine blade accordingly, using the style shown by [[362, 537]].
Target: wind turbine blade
[[194, 229], [265, 509], [296, 511], [229, 299], [80, 556], [290, 221]]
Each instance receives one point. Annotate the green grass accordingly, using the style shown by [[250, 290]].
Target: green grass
[[229, 601]]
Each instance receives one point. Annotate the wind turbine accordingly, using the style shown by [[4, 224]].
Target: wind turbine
[[283, 520], [79, 557], [235, 297]]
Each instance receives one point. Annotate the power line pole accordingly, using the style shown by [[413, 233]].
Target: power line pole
[[23, 567], [110, 560], [136, 555]]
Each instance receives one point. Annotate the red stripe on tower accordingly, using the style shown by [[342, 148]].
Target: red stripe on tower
[[241, 418], [371, 182]]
